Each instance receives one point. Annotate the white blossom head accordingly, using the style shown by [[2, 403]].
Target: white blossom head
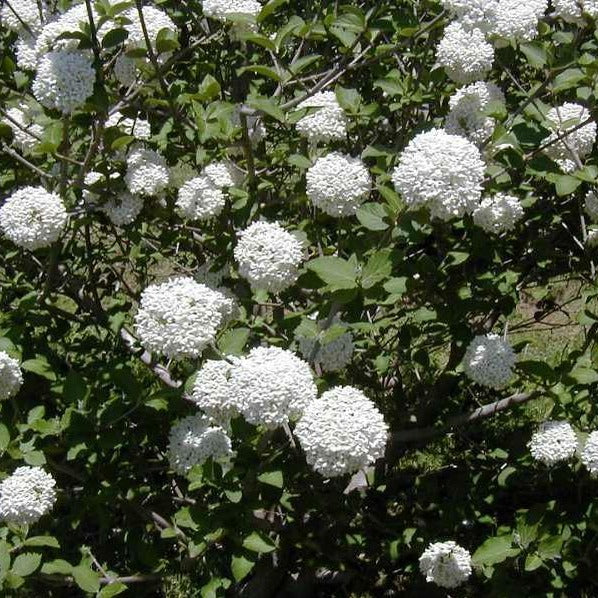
[[489, 361], [338, 184], [342, 432], [471, 14], [26, 53], [223, 174], [200, 199], [498, 213], [147, 172], [268, 256], [442, 172], [573, 11], [124, 209], [136, 127], [32, 218], [155, 20], [11, 377], [589, 454], [552, 442], [125, 70], [30, 15], [464, 54], [64, 80], [212, 391], [467, 116], [180, 317], [446, 564], [194, 440], [272, 386], [26, 136], [591, 205], [327, 123], [331, 355], [514, 20], [577, 140], [224, 10], [26, 495]]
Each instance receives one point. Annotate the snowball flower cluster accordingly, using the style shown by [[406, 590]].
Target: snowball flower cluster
[[573, 10], [25, 52], [446, 564], [224, 9], [342, 432], [72, 20], [212, 390], [498, 213], [64, 80], [147, 172], [554, 441], [327, 123], [223, 174], [563, 120], [591, 205], [26, 495], [32, 218], [200, 199], [489, 361], [471, 14], [464, 54], [442, 172], [589, 454], [194, 440], [11, 377], [338, 184], [268, 256], [467, 115], [136, 127], [25, 131], [180, 317], [514, 20], [272, 386], [331, 356], [155, 20], [124, 209], [28, 12]]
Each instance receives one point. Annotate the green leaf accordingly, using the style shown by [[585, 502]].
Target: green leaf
[[208, 89], [166, 41], [260, 69], [39, 366], [26, 563], [57, 567], [114, 37], [535, 54], [349, 99], [232, 342], [50, 541], [121, 142], [240, 567], [258, 543], [112, 589], [532, 562], [336, 272], [4, 559], [4, 438], [86, 579], [583, 375], [396, 286], [495, 550], [372, 215], [272, 478], [377, 269], [267, 105]]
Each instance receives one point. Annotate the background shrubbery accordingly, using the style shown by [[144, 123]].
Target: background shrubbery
[[412, 291]]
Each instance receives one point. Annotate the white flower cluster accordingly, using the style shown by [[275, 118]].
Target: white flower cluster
[[554, 441], [467, 115], [200, 199], [442, 172], [223, 174], [464, 53], [26, 53], [147, 172], [514, 20], [25, 135], [338, 184], [472, 14], [489, 361], [268, 256], [591, 205], [124, 209], [155, 20], [333, 355], [64, 80], [125, 70], [342, 432], [327, 123], [574, 10], [224, 9], [498, 213], [180, 317], [11, 377], [72, 20], [26, 495], [194, 440], [269, 387], [563, 120], [28, 12], [589, 454], [446, 564], [136, 127], [32, 218]]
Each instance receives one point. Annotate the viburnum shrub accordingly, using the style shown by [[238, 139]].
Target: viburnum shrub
[[298, 298]]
